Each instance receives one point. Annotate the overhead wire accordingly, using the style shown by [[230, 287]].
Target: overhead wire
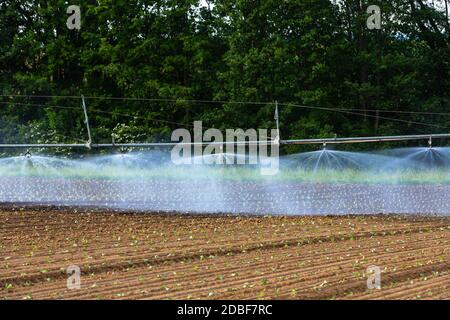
[[223, 102], [114, 113], [345, 111]]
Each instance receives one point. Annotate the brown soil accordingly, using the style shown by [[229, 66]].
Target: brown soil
[[155, 256]]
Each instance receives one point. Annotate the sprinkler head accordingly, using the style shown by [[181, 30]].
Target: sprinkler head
[[27, 154], [430, 143], [324, 146]]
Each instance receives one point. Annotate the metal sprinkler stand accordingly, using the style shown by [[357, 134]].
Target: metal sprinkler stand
[[86, 122], [278, 137]]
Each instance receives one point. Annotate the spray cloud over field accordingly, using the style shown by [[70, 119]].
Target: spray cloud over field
[[409, 180]]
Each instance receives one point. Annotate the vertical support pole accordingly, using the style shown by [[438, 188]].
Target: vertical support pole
[[86, 122], [277, 139]]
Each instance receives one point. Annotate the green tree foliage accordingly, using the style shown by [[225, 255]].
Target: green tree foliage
[[183, 53]]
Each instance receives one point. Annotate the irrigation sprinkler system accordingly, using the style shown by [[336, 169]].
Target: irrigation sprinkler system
[[326, 141], [277, 141], [143, 177]]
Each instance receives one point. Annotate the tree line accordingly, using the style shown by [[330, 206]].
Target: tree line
[[224, 62]]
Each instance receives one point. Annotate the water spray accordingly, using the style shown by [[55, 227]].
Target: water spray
[[319, 182], [28, 161]]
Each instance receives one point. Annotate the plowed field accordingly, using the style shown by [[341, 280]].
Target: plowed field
[[170, 256]]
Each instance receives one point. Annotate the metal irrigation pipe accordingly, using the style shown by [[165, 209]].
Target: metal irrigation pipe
[[43, 145], [88, 145], [131, 145], [365, 139]]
